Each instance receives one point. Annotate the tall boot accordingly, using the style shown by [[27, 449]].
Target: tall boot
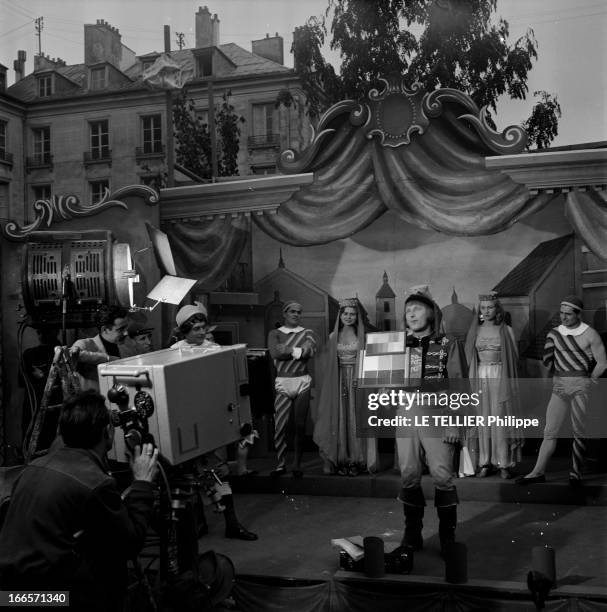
[[233, 528], [446, 508], [413, 509]]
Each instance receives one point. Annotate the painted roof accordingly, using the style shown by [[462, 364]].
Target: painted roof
[[523, 278]]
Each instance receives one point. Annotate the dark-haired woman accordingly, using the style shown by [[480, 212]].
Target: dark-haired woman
[[342, 450], [492, 355]]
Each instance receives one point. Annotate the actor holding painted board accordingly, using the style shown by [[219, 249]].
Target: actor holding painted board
[[442, 359]]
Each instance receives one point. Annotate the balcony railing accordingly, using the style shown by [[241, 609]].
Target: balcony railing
[[39, 161], [148, 151], [101, 156], [6, 158], [265, 141]]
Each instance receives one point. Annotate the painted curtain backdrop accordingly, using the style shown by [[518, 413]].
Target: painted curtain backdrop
[[207, 250]]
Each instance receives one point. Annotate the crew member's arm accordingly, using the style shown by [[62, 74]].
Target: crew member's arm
[[598, 352], [83, 355], [122, 525]]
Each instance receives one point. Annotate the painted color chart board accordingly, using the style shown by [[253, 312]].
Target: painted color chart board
[[386, 362]]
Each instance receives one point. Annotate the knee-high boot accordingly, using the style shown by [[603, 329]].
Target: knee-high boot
[[446, 508], [413, 509]]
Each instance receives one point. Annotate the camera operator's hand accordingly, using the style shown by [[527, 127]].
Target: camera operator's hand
[[144, 462]]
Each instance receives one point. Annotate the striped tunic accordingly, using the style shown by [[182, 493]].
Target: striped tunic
[[564, 355], [281, 345]]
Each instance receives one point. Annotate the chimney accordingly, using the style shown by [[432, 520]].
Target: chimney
[[207, 29], [270, 47], [102, 43], [19, 65], [45, 62], [3, 70], [167, 38]]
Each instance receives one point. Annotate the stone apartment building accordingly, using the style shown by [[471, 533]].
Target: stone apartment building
[[81, 129]]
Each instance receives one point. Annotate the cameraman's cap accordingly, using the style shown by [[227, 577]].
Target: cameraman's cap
[[573, 301], [185, 312], [137, 328], [138, 325]]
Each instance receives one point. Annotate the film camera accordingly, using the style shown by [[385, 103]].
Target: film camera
[[189, 402]]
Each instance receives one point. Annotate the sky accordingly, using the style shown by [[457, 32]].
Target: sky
[[571, 35]]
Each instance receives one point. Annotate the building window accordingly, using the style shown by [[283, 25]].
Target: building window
[[152, 134], [4, 200], [41, 192], [42, 145], [264, 121], [98, 190], [45, 86], [387, 325], [203, 116], [100, 140], [386, 306], [97, 78], [265, 126], [146, 64], [263, 169], [3, 125], [205, 62]]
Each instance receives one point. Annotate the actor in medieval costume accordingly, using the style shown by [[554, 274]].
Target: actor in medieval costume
[[442, 359], [575, 354], [342, 449], [492, 356], [291, 347]]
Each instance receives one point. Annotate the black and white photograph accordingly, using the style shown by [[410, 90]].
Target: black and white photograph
[[303, 305]]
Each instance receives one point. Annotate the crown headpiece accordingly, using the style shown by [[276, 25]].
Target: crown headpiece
[[488, 297], [351, 302]]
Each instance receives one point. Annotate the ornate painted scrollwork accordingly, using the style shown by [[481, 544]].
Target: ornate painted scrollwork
[[512, 140], [395, 112], [65, 207], [291, 162]]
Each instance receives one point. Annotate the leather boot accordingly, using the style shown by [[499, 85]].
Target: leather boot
[[413, 509], [413, 527], [446, 508]]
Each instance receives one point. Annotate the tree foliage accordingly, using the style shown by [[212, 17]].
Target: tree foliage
[[542, 126], [193, 139], [439, 43]]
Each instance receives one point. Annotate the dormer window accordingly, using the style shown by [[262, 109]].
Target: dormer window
[[45, 86], [147, 64], [205, 62], [97, 78]]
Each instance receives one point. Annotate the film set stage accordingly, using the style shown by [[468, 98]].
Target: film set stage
[[387, 359]]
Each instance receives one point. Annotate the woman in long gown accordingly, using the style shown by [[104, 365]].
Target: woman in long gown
[[335, 431], [492, 355]]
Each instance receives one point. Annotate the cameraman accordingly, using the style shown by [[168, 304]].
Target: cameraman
[[67, 527]]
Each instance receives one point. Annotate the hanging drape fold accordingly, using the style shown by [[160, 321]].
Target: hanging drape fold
[[207, 250]]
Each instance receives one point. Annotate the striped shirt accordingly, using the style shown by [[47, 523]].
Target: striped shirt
[[564, 354], [281, 346]]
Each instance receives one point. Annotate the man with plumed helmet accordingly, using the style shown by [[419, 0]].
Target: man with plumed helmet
[[442, 359], [291, 347], [575, 354]]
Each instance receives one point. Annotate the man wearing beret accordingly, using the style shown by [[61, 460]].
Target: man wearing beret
[[575, 354], [139, 339], [291, 347]]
